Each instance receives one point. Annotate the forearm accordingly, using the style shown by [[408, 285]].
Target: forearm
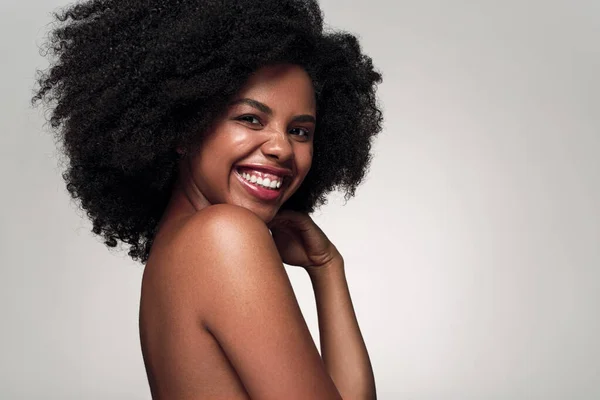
[[343, 349]]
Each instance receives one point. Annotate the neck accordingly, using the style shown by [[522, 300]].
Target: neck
[[186, 199], [186, 186]]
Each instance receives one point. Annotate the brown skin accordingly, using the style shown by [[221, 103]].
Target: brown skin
[[218, 315], [246, 135]]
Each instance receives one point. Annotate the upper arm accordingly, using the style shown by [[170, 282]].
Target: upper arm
[[250, 308]]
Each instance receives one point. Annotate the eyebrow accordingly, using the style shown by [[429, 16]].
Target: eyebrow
[[267, 110]]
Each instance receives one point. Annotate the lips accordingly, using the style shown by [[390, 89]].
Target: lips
[[260, 173], [266, 169], [267, 180], [258, 191]]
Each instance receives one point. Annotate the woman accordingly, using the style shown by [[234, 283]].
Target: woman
[[202, 133]]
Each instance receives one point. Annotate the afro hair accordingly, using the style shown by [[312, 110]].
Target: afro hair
[[130, 81]]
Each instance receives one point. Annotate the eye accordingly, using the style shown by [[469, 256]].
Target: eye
[[252, 119], [302, 132]]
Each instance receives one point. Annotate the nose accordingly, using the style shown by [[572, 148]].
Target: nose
[[278, 146]]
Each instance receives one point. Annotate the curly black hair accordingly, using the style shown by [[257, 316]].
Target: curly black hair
[[132, 80]]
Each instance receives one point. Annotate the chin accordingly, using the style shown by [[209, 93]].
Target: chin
[[266, 214]]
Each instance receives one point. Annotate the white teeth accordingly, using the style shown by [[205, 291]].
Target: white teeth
[[266, 182]]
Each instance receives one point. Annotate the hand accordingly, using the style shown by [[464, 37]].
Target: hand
[[300, 241]]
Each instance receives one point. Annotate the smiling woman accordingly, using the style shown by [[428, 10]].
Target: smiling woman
[[264, 133], [202, 134]]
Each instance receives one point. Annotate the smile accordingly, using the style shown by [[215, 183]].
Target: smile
[[269, 183], [265, 186]]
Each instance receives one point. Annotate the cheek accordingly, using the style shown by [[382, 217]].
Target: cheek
[[209, 164], [304, 160], [225, 145]]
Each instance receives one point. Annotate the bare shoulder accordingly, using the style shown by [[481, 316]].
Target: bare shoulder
[[212, 226], [217, 224], [229, 270], [220, 239], [199, 251]]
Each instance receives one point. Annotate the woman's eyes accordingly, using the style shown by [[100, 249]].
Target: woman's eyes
[[253, 120], [249, 118], [302, 132]]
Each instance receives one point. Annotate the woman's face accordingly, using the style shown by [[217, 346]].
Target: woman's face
[[259, 151]]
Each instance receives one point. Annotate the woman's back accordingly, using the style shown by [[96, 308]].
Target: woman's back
[[183, 360], [219, 272], [197, 370]]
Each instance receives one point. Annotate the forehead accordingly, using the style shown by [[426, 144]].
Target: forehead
[[283, 85]]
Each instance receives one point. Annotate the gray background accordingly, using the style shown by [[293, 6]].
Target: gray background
[[472, 249]]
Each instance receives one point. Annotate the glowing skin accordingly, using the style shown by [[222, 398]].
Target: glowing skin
[[263, 126], [218, 314]]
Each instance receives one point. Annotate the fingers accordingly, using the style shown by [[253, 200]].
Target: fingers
[[302, 224]]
